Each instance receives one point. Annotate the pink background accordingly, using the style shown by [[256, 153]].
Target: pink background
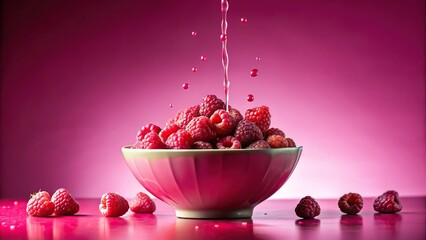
[[345, 79]]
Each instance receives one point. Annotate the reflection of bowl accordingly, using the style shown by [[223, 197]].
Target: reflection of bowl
[[212, 183]]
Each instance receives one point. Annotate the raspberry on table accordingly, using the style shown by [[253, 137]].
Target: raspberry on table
[[247, 132], [290, 142], [388, 202], [146, 129], [40, 205], [185, 116], [210, 104], [259, 144], [151, 140], [113, 205], [201, 129], [222, 122], [228, 142], [273, 131], [142, 204], [351, 203], [260, 116], [180, 140], [202, 145], [277, 141], [168, 130], [307, 208], [65, 204]]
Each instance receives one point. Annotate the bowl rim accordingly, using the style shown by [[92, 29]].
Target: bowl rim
[[271, 150]]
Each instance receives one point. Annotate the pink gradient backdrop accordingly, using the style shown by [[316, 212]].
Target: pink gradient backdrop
[[345, 79]]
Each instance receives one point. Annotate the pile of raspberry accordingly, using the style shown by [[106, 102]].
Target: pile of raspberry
[[209, 126]]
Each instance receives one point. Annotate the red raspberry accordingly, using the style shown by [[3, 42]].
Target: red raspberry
[[228, 142], [202, 145], [185, 116], [113, 205], [64, 203], [259, 144], [146, 129], [273, 131], [388, 202], [260, 116], [247, 132], [201, 129], [210, 104], [351, 203], [222, 122], [277, 141], [142, 204], [236, 116], [307, 208], [40, 205], [290, 142], [180, 140], [168, 130], [151, 140]]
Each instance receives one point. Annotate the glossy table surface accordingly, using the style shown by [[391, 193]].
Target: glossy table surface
[[272, 219]]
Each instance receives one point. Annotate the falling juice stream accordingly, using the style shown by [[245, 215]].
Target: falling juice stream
[[225, 59]]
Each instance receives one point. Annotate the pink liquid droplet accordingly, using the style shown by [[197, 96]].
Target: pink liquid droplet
[[250, 98], [194, 69], [254, 72], [244, 20], [15, 203], [194, 34], [185, 86], [203, 58], [223, 37], [257, 58], [12, 227], [170, 105]]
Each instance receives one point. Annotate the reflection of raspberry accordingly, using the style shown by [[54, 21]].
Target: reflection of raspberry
[[351, 203], [228, 142], [290, 142], [180, 140], [201, 129], [247, 132], [210, 104], [260, 116], [388, 202], [277, 141], [202, 145], [222, 122], [259, 144], [273, 131], [146, 129], [307, 208], [151, 141], [168, 130], [185, 116]]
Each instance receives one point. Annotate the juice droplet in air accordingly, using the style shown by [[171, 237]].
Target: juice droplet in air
[[257, 58], [194, 34], [194, 69], [170, 105], [244, 20], [185, 86], [203, 58], [250, 98], [254, 72], [223, 37]]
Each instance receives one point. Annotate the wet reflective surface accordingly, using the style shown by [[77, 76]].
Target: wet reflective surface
[[273, 219]]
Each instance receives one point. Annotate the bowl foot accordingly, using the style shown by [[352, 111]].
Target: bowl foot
[[215, 214]]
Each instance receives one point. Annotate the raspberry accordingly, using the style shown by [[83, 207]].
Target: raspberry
[[64, 203], [142, 204], [168, 130], [201, 129], [307, 208], [40, 205], [388, 202], [236, 116], [113, 205], [202, 145], [146, 129], [277, 141], [210, 104], [228, 142], [185, 116], [151, 141], [247, 132], [273, 131], [180, 140], [290, 142], [351, 203], [222, 122], [260, 116], [259, 144]]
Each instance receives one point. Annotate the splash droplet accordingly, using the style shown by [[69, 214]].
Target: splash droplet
[[254, 72], [196, 227], [15, 203], [194, 34], [244, 20], [257, 58], [170, 105], [12, 227], [203, 58], [250, 98], [223, 37], [194, 69], [216, 225], [185, 86]]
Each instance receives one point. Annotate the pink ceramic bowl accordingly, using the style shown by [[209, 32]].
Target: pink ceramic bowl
[[212, 183]]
